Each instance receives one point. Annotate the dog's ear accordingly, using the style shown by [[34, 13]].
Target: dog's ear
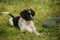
[[32, 12], [22, 13]]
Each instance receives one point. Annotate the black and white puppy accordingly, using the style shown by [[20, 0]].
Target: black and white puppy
[[24, 21]]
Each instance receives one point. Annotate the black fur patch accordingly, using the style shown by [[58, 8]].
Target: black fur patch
[[15, 21]]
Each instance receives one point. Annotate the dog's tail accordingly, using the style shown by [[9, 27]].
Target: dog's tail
[[8, 13]]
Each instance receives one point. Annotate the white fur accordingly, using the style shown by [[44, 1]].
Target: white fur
[[11, 21], [31, 16], [27, 26], [29, 11], [6, 12]]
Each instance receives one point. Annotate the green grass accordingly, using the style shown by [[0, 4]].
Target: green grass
[[44, 9]]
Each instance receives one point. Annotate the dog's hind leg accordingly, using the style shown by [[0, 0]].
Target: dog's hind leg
[[11, 21]]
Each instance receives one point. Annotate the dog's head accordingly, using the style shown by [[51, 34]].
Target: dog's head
[[27, 14]]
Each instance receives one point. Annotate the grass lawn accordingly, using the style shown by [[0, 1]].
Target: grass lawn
[[44, 9]]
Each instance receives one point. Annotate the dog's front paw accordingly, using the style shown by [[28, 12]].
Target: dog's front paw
[[38, 34]]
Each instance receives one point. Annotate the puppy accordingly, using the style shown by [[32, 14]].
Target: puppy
[[24, 22]]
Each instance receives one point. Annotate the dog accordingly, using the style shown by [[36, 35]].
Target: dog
[[24, 22]]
